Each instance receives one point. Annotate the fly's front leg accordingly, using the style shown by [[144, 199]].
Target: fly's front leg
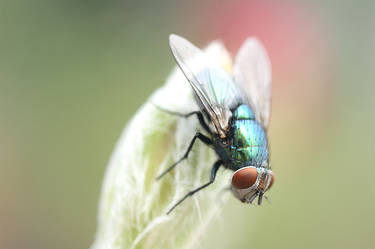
[[201, 137], [214, 169], [198, 113]]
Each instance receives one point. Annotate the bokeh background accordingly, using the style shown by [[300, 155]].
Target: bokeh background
[[72, 73]]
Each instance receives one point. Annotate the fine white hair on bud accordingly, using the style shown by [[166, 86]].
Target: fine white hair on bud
[[133, 205]]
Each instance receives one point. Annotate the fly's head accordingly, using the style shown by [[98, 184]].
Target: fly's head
[[251, 182]]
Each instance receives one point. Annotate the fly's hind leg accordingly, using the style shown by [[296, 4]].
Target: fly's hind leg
[[201, 137], [198, 113], [214, 169]]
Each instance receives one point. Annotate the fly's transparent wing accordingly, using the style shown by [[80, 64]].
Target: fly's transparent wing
[[252, 72], [215, 90]]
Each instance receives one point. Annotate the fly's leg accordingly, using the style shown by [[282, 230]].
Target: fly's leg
[[198, 113], [201, 137], [214, 169]]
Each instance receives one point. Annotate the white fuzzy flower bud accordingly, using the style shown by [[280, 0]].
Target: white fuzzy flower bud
[[133, 205]]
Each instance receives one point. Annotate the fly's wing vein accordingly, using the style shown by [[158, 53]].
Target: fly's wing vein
[[214, 89], [190, 59]]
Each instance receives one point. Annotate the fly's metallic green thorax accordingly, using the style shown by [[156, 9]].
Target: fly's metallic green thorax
[[249, 144]]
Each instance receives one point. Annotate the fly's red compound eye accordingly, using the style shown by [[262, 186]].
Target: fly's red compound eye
[[244, 178]]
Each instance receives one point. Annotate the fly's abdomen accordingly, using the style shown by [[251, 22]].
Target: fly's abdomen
[[249, 146]]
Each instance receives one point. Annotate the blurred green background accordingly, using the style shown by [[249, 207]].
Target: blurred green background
[[72, 73]]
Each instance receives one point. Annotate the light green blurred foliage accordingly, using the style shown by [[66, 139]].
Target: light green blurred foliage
[[72, 73]]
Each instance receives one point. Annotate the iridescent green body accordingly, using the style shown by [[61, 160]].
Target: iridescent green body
[[249, 146]]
